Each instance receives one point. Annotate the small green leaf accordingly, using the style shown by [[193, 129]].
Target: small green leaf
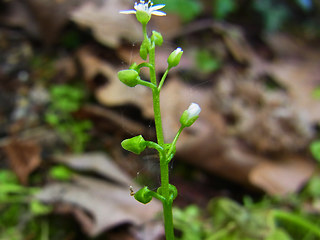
[[38, 208], [315, 149], [61, 173], [52, 119], [7, 176]]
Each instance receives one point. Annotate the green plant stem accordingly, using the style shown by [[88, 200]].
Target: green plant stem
[[173, 144], [164, 169], [167, 205], [163, 78], [157, 147], [147, 84]]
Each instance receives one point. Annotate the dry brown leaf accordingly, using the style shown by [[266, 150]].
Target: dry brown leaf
[[282, 177], [24, 157], [114, 93], [43, 19], [107, 204], [107, 25], [96, 162]]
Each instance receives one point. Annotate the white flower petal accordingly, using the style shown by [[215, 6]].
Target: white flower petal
[[128, 12], [158, 13], [156, 7], [194, 110]]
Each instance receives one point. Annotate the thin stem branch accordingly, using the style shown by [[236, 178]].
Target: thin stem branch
[[157, 196], [147, 84], [163, 78], [173, 144], [157, 147], [144, 64]]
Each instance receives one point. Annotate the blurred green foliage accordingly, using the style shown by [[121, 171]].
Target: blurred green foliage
[[315, 150], [19, 211], [222, 8], [61, 173], [65, 100], [272, 15], [206, 62], [271, 218], [187, 10], [316, 93]]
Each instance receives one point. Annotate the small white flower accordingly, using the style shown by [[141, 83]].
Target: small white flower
[[193, 110], [146, 7]]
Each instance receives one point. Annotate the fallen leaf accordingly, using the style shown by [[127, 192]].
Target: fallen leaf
[[107, 205], [98, 163], [24, 157], [37, 16], [107, 24], [284, 177]]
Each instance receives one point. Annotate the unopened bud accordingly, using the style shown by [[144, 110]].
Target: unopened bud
[[190, 115], [144, 49], [143, 195], [174, 58], [129, 77], [156, 37], [135, 144]]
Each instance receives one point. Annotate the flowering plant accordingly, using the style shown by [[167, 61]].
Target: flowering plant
[[166, 193]]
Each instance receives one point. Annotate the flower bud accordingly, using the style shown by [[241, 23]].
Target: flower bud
[[143, 17], [136, 144], [143, 195], [174, 58], [144, 49], [156, 37], [129, 77], [191, 115]]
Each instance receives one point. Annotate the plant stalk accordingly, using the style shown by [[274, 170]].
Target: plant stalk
[[164, 170]]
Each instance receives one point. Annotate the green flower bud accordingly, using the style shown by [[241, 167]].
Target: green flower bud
[[143, 17], [191, 115], [173, 192], [136, 144], [174, 58], [156, 37], [143, 195], [144, 49], [129, 77]]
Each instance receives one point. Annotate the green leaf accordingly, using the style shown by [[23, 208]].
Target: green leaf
[[38, 208], [313, 188], [61, 173], [7, 176], [52, 119], [315, 150]]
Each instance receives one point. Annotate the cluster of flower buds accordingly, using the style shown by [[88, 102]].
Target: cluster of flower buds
[[137, 144]]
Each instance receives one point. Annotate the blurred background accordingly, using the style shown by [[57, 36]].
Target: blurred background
[[247, 169]]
